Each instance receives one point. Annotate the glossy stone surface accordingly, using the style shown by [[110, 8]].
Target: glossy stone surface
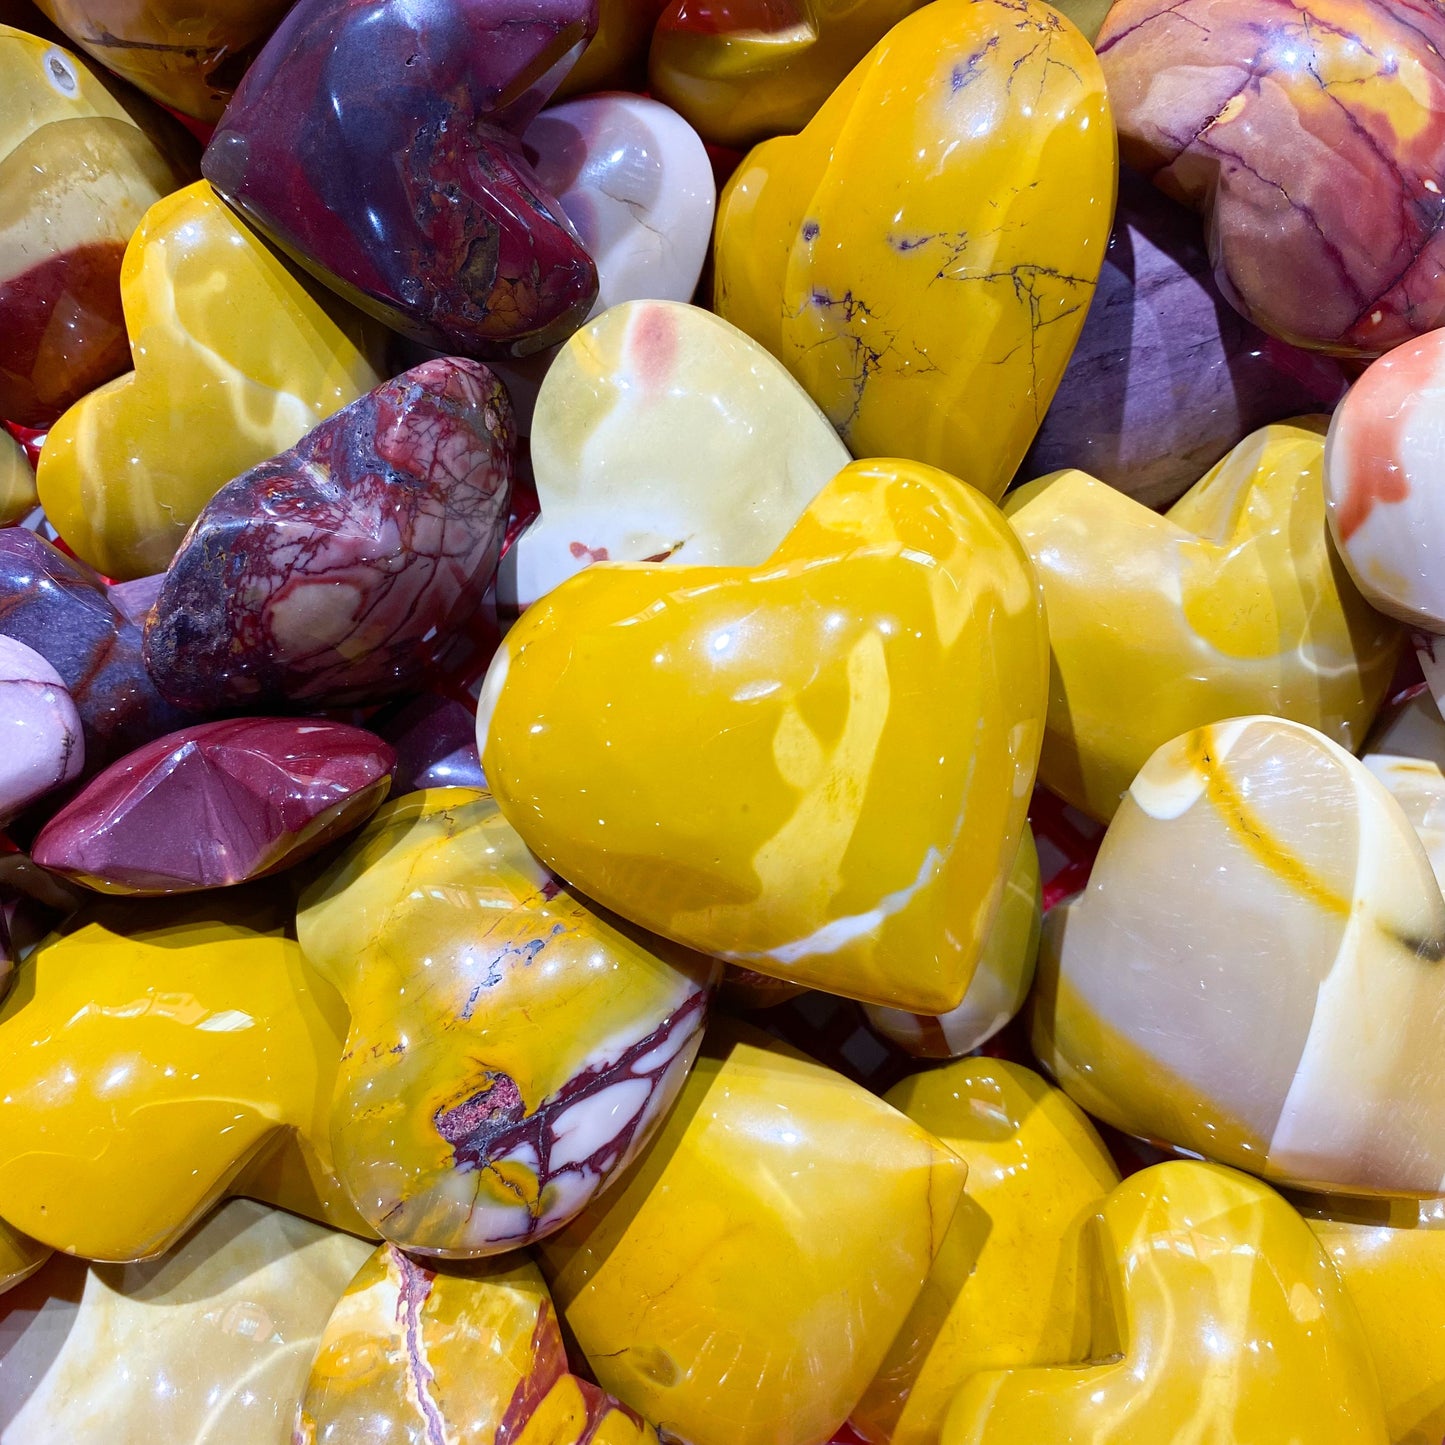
[[1406, 752], [63, 611], [661, 433], [1000, 983], [217, 804], [741, 1285], [377, 143], [1254, 970], [475, 1358], [41, 744], [17, 482], [186, 56], [20, 1257], [1392, 1260], [634, 178], [1309, 142], [922, 256], [1382, 467], [341, 570], [744, 70], [208, 1344], [1167, 376], [203, 1054], [510, 1049], [1233, 602], [616, 56], [1007, 1287], [77, 172], [235, 359], [1226, 1320], [767, 787], [435, 739]]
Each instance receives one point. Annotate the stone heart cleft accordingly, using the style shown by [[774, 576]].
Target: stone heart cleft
[[922, 256], [511, 1049], [818, 767], [378, 143]]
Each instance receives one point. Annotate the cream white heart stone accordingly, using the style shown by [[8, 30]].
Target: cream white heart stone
[[663, 433]]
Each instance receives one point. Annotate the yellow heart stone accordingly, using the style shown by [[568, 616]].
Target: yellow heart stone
[[236, 358], [1232, 602], [817, 768], [922, 255]]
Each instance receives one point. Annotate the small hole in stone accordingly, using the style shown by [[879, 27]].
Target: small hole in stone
[[59, 73]]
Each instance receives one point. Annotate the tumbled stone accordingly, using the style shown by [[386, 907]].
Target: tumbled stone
[[217, 804], [17, 481], [41, 745], [340, 570], [436, 744], [634, 178], [378, 144], [63, 611]]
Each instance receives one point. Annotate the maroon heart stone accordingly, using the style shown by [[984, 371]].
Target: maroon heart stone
[[377, 143]]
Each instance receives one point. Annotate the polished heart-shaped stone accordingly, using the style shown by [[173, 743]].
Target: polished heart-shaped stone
[[1000, 983], [744, 70], [343, 569], [77, 173], [476, 1357], [377, 142], [817, 767], [1309, 141], [217, 804], [661, 433], [511, 1048], [922, 256], [235, 358], [1232, 602], [210, 1342], [200, 1055], [1005, 1290], [1220, 1318], [1256, 971], [1392, 1261], [741, 1285], [1167, 376]]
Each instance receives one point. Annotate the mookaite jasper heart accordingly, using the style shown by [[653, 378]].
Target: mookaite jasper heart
[[1232, 602], [819, 766], [921, 257], [378, 143], [661, 433], [235, 358]]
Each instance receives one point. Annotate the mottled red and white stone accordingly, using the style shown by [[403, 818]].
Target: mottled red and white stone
[[41, 745]]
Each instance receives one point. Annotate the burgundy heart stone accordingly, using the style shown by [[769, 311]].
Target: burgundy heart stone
[[217, 804], [377, 143], [344, 569]]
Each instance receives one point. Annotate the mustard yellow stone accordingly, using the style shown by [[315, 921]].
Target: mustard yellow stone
[[922, 256], [157, 1057], [510, 1048], [750, 69], [1000, 983], [1005, 1290], [20, 1256], [817, 768], [741, 1285], [411, 1354], [18, 497], [1218, 1319], [1391, 1256], [236, 358], [1232, 602]]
